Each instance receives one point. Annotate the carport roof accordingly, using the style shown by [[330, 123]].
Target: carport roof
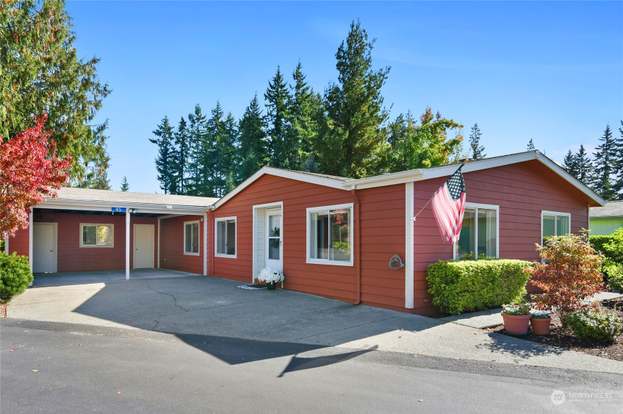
[[105, 200]]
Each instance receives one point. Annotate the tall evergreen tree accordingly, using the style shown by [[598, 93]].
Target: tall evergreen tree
[[125, 187], [618, 154], [570, 165], [282, 143], [200, 154], [478, 151], [305, 112], [530, 146], [253, 150], [165, 160], [182, 150], [228, 147], [94, 163], [351, 141], [604, 165], [583, 165]]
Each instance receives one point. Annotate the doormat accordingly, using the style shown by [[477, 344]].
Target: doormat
[[251, 287]]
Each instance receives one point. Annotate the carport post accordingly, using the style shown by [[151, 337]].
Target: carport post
[[127, 244]]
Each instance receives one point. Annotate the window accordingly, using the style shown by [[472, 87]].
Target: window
[[330, 235], [554, 223], [479, 233], [191, 238], [97, 235], [226, 237]]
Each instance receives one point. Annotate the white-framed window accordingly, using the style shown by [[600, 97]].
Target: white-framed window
[[554, 223], [480, 233], [191, 238], [330, 235], [97, 235], [225, 237]]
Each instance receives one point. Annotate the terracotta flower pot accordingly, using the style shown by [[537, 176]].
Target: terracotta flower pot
[[516, 324], [540, 326]]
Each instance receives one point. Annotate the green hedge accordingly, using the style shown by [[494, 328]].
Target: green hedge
[[611, 246], [15, 276], [467, 285]]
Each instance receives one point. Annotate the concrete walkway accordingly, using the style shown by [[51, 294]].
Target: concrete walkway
[[201, 311]]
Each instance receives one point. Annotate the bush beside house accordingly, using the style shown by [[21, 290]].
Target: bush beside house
[[611, 246], [468, 285], [15, 276]]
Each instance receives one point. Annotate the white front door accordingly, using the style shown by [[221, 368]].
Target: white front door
[[44, 248], [143, 246], [274, 247]]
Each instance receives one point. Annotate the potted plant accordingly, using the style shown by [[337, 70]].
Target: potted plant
[[270, 278], [540, 322], [516, 318]]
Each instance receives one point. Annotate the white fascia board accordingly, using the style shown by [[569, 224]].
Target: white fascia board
[[292, 175], [60, 204]]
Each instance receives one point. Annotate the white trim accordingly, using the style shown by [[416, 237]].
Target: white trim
[[205, 244], [186, 252], [554, 214], [292, 175], [158, 243], [255, 207], [351, 234], [95, 246], [127, 244], [134, 245], [475, 207], [409, 239], [274, 212], [31, 233], [6, 244], [216, 253]]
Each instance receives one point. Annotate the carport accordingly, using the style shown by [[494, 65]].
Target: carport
[[85, 230]]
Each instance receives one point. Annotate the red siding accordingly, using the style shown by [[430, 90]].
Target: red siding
[[326, 280], [172, 245], [382, 236], [521, 191], [19, 243]]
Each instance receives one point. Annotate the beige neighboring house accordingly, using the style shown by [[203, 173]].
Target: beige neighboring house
[[606, 219]]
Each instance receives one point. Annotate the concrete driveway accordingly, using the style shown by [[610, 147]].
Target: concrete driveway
[[214, 315]]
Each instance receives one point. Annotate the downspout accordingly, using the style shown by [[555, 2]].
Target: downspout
[[357, 298]]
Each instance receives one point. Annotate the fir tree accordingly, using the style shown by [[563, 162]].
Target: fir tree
[[165, 160], [478, 151], [570, 164], [604, 165], [530, 146], [94, 163], [253, 151], [124, 184], [583, 165], [282, 145], [351, 141], [228, 147], [618, 155], [305, 110], [180, 164], [200, 154]]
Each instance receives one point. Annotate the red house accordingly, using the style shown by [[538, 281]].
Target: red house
[[331, 236]]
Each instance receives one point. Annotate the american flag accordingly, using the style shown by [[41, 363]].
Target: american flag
[[448, 204]]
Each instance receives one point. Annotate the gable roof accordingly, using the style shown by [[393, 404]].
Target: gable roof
[[611, 209], [104, 200], [419, 174]]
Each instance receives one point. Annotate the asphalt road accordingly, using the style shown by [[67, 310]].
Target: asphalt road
[[66, 368]]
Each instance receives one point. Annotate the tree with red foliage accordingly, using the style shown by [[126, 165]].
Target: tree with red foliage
[[30, 170], [570, 272]]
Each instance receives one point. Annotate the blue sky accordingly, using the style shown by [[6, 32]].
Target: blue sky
[[550, 71]]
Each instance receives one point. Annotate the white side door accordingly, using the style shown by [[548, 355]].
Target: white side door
[[45, 248], [274, 246], [143, 246]]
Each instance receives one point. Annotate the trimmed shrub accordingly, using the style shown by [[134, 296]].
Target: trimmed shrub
[[15, 276], [595, 324], [468, 285], [610, 245]]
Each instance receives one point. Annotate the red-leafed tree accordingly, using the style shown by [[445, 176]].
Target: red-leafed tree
[[30, 170]]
